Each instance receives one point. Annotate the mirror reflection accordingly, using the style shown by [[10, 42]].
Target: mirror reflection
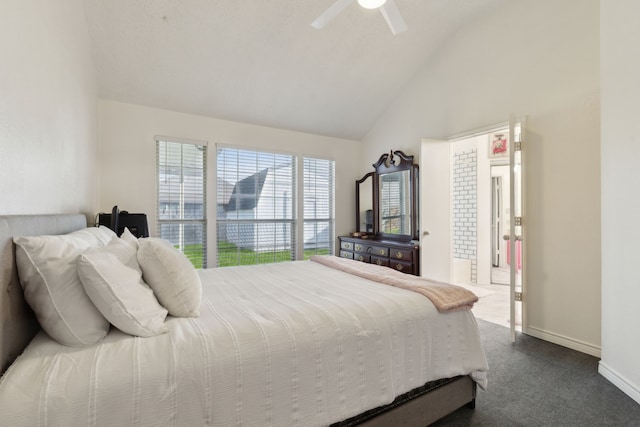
[[395, 198], [364, 209]]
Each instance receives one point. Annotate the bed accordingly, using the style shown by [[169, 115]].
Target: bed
[[266, 349]]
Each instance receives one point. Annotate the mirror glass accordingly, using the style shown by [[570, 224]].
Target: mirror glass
[[395, 203], [364, 208]]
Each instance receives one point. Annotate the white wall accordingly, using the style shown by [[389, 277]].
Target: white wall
[[538, 58], [620, 68], [48, 114], [128, 156]]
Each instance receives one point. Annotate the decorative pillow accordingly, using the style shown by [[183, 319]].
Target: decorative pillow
[[113, 280], [48, 273], [171, 276], [128, 236]]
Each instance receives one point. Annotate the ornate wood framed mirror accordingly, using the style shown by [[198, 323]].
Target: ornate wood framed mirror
[[387, 216], [396, 197]]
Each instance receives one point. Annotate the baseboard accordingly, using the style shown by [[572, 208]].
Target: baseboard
[[571, 343], [619, 381]]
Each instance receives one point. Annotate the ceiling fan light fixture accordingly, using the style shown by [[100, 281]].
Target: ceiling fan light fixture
[[371, 4]]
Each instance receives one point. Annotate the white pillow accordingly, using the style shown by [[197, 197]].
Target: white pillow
[[113, 280], [129, 237], [48, 273], [171, 275]]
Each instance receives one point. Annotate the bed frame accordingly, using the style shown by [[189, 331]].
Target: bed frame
[[18, 326]]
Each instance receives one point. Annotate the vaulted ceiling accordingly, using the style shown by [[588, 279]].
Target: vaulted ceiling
[[261, 62]]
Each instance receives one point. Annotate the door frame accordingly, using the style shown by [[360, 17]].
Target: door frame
[[517, 231], [426, 239]]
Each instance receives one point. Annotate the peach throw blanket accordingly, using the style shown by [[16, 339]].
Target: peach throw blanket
[[444, 296]]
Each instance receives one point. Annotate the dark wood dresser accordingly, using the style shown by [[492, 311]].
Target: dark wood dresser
[[401, 256]]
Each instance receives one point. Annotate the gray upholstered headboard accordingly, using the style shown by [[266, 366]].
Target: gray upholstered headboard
[[18, 324]]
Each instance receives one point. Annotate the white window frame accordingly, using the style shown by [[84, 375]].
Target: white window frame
[[297, 219], [182, 221], [331, 219]]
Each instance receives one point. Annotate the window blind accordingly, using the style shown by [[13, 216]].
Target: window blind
[[255, 216], [318, 191], [181, 198]]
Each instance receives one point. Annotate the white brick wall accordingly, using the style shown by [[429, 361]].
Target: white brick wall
[[464, 195]]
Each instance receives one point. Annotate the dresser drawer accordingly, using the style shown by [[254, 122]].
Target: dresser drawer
[[346, 245], [361, 247], [346, 254], [379, 260], [362, 257], [401, 254], [380, 251], [403, 266]]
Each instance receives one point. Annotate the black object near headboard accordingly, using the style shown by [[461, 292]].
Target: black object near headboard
[[119, 220]]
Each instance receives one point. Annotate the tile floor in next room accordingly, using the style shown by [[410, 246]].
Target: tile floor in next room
[[493, 303]]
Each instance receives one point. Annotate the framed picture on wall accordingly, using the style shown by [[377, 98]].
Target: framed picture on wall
[[498, 145]]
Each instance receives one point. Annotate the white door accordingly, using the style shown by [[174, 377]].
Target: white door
[[516, 229], [435, 210]]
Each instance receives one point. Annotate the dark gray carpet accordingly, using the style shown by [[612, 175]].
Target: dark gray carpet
[[536, 383]]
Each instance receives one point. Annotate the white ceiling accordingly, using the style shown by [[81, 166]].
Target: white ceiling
[[261, 62]]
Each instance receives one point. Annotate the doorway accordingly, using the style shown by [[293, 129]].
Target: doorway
[[481, 221], [458, 243]]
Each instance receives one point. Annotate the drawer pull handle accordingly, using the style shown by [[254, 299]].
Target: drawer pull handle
[[399, 267], [360, 258], [358, 247], [369, 250], [381, 251], [378, 262], [399, 255]]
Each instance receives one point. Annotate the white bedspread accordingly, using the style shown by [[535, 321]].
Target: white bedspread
[[276, 345]]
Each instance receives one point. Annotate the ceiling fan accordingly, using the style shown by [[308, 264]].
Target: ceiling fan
[[388, 8]]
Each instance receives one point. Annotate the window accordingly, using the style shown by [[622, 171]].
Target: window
[[255, 218], [257, 203], [182, 207], [318, 207]]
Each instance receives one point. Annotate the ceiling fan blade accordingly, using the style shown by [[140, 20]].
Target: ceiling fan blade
[[392, 15], [331, 13]]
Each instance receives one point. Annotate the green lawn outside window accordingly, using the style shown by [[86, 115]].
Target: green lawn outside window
[[244, 256]]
